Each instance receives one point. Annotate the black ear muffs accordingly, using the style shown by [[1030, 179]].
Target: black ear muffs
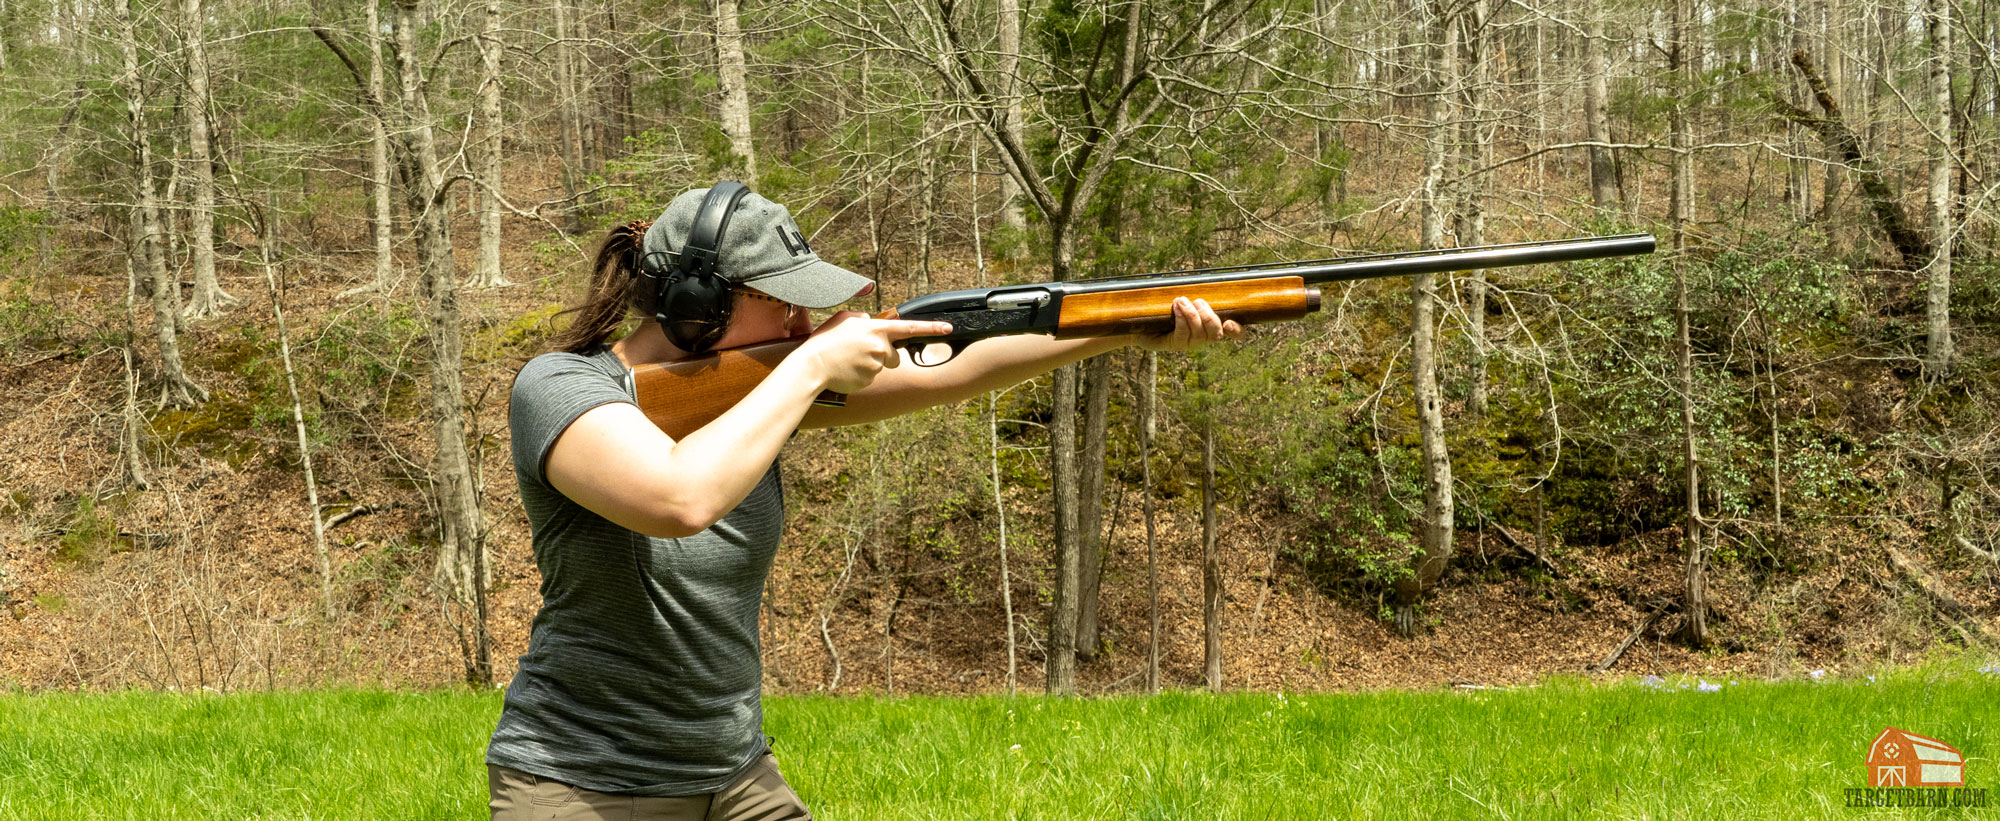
[[691, 299]]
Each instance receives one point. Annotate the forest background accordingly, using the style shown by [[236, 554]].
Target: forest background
[[270, 265]]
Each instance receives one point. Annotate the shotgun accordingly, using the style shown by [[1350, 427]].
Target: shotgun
[[685, 394]]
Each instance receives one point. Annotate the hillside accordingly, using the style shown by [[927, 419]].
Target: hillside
[[207, 579]]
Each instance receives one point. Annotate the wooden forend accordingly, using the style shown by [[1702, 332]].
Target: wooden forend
[[1151, 310]]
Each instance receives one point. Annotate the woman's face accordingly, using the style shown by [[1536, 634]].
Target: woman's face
[[754, 320]]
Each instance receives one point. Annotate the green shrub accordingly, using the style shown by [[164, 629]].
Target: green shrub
[[29, 323], [89, 536]]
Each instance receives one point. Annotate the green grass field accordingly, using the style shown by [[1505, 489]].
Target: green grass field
[[1562, 749]]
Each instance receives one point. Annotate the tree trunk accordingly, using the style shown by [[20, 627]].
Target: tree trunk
[[487, 273], [1090, 513], [1000, 515], [1937, 313], [175, 387], [731, 72], [132, 435], [374, 96], [993, 451], [1063, 477], [590, 90], [208, 299], [1211, 558], [1475, 152], [52, 167], [1327, 138], [868, 181], [1835, 60], [1911, 245], [1011, 213], [460, 535], [1777, 453], [267, 244], [1435, 531], [1798, 171], [572, 120], [1149, 378], [1695, 629], [378, 154], [1596, 119], [620, 87], [927, 202]]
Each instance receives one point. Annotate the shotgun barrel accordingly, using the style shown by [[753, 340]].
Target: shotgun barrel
[[1053, 307], [683, 395]]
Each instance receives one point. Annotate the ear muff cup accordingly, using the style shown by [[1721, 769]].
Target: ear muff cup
[[693, 300], [695, 310]]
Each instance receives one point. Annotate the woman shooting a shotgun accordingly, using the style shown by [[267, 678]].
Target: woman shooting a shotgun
[[639, 696]]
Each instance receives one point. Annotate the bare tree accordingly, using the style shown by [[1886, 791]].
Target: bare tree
[[1090, 513], [175, 387], [1121, 99], [132, 435], [1681, 68], [460, 535], [1211, 555], [729, 67], [1475, 153], [372, 92], [267, 241], [1911, 244], [1834, 56], [379, 170], [1435, 532], [487, 273], [1009, 92], [1937, 314], [208, 299], [993, 452], [1596, 120], [1149, 379], [570, 109]]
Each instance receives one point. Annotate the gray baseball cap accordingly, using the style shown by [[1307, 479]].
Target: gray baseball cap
[[763, 249]]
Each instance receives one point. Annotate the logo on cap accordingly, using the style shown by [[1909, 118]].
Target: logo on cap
[[794, 242]]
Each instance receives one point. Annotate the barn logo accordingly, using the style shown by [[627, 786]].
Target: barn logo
[[1906, 770], [1900, 758]]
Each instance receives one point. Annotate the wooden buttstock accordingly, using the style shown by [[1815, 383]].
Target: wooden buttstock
[[683, 395], [1150, 310]]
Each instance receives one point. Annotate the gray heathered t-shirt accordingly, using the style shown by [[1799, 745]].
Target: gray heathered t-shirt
[[642, 674]]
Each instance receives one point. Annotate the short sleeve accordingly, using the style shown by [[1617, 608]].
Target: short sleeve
[[551, 391]]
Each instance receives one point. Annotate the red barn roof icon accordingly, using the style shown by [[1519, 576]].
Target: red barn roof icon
[[1904, 759]]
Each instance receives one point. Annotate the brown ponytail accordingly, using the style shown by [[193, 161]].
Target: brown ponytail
[[604, 307]]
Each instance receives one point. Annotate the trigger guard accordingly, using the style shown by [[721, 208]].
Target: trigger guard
[[916, 350]]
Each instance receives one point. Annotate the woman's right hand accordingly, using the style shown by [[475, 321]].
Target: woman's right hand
[[851, 348]]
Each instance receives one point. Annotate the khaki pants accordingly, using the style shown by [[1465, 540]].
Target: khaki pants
[[760, 795]]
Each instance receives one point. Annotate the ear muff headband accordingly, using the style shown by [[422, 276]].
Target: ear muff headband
[[700, 255], [693, 301]]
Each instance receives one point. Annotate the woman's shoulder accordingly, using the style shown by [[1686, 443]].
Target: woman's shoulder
[[563, 363], [561, 377]]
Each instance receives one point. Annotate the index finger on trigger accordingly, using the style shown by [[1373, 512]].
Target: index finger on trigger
[[904, 329]]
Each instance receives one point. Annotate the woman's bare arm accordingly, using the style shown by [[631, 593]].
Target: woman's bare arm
[[992, 364]]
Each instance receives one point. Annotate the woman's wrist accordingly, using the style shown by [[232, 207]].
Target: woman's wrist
[[805, 369]]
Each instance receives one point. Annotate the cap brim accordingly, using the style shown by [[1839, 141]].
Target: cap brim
[[816, 284]]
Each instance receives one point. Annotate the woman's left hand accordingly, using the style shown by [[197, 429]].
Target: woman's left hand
[[1195, 324]]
